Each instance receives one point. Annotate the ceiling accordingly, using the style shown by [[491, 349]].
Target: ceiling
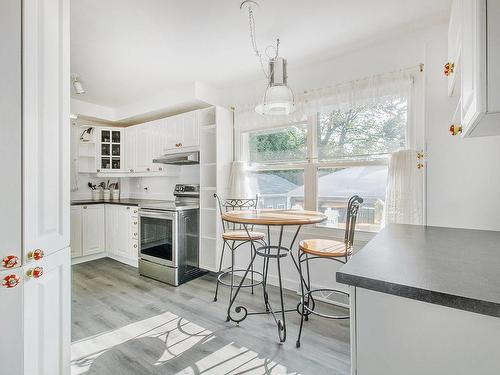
[[126, 50]]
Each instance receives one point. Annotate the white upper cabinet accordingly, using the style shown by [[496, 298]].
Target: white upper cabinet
[[479, 59], [184, 131], [111, 151], [46, 134], [452, 66], [131, 149]]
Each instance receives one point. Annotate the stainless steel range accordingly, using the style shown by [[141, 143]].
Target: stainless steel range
[[169, 237]]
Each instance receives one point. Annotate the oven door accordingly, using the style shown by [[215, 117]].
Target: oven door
[[158, 236]]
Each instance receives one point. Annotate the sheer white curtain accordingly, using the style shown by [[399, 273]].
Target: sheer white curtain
[[340, 96], [404, 201]]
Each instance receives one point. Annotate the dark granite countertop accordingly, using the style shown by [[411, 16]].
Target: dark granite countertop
[[457, 268], [123, 201]]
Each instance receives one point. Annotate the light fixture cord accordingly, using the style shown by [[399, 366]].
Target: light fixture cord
[[251, 22]]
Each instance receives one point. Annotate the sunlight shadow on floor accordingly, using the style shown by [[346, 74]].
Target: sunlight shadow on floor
[[166, 342]]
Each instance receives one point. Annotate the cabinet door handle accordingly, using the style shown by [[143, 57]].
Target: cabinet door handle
[[135, 222], [148, 169], [449, 67], [135, 234], [135, 246], [160, 168], [10, 261], [10, 281], [128, 208], [84, 207], [35, 255], [131, 170], [35, 272]]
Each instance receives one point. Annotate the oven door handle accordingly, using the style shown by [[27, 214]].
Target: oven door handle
[[158, 214]]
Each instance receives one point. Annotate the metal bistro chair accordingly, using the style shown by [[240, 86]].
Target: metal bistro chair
[[340, 251], [234, 236]]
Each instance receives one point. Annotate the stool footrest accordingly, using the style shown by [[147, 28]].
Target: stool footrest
[[229, 272], [309, 310]]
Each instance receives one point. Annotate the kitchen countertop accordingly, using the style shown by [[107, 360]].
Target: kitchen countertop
[[458, 268], [123, 201]]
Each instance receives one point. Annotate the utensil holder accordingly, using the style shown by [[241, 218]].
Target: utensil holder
[[96, 194], [115, 194], [107, 194]]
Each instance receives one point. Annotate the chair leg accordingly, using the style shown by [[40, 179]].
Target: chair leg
[[303, 300], [251, 270], [308, 285], [220, 269], [232, 278]]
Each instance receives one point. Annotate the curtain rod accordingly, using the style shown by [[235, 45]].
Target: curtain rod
[[420, 68]]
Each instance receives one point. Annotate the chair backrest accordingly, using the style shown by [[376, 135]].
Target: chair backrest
[[234, 204], [350, 223]]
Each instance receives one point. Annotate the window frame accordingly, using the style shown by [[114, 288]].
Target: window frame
[[310, 165]]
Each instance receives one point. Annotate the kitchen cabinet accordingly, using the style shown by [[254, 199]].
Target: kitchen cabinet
[[11, 345], [47, 317], [478, 38], [87, 230], [76, 231], [111, 150], [35, 290], [145, 142], [183, 131], [120, 242], [93, 229], [452, 66]]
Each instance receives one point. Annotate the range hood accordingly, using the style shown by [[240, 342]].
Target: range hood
[[180, 158]]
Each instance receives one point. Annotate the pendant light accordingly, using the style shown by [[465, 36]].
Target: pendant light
[[278, 98]]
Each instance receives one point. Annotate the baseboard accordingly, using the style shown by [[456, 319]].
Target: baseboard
[[87, 258], [130, 262]]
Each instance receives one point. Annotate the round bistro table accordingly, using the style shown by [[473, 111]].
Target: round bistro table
[[269, 218]]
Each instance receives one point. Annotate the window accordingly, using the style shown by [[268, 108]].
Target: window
[[320, 164], [280, 189]]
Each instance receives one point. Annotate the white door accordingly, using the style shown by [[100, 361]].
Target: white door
[[76, 231], [46, 126], [10, 138], [47, 315], [46, 168], [190, 130], [11, 344], [93, 229]]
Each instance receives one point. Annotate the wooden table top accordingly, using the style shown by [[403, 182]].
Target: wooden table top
[[274, 217]]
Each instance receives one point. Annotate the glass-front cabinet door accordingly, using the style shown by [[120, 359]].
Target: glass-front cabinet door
[[111, 150]]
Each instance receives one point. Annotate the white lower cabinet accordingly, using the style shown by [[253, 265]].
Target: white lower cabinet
[[76, 231], [87, 230], [121, 243], [47, 315], [93, 229]]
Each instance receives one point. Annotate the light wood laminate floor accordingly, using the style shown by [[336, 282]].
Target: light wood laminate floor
[[125, 324]]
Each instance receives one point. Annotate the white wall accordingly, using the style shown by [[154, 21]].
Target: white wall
[[462, 175]]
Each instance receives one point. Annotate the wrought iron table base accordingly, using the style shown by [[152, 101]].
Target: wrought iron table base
[[268, 252]]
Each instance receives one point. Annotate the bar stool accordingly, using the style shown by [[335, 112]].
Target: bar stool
[[234, 236], [339, 251]]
